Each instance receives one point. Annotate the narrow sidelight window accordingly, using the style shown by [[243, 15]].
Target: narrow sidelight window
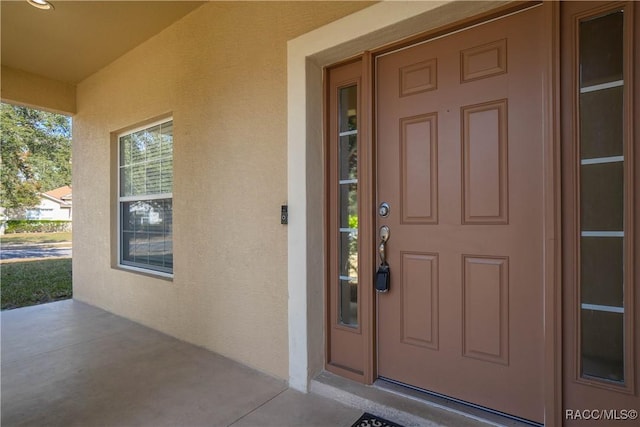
[[344, 264], [145, 199], [602, 220], [348, 204]]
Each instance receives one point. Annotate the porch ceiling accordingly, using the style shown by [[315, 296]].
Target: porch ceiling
[[78, 38]]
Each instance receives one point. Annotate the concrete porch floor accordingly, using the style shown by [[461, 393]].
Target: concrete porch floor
[[70, 364]]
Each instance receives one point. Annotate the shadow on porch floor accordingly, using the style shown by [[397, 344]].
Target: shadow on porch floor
[[70, 364]]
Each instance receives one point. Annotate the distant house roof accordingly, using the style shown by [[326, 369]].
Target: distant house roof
[[62, 194]]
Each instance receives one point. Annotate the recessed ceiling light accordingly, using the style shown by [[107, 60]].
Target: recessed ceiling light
[[41, 4]]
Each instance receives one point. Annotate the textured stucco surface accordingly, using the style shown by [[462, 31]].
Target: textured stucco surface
[[221, 73], [22, 88]]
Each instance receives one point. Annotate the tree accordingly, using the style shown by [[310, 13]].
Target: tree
[[35, 154]]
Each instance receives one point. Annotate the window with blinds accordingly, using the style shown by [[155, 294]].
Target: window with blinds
[[146, 198]]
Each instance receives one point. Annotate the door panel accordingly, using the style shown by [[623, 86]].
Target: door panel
[[484, 169], [418, 326], [459, 160]]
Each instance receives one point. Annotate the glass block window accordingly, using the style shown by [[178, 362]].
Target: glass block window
[[146, 198]]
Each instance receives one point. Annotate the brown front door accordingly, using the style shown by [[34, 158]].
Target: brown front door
[[459, 139]]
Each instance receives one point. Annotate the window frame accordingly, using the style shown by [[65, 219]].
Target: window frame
[[121, 200]]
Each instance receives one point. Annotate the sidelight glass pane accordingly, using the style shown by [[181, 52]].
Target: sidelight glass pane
[[349, 157], [348, 108], [349, 303], [601, 124], [601, 49], [349, 254], [602, 202], [348, 205], [602, 198], [348, 278], [601, 270], [602, 345]]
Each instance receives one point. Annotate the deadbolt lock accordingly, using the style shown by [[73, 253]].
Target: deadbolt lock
[[383, 210]]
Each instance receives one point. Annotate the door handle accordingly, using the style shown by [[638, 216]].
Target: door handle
[[383, 275], [382, 248]]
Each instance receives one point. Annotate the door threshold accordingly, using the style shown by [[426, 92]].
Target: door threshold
[[455, 405], [407, 406]]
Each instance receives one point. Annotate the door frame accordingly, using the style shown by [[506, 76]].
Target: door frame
[[307, 55]]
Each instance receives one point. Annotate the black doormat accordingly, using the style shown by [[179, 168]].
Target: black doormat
[[369, 420]]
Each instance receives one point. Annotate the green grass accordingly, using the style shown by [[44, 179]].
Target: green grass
[[35, 282], [31, 238]]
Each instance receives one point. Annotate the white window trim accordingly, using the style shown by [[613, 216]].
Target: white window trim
[[121, 199]]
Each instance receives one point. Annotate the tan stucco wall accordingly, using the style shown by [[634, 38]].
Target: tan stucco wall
[[221, 72], [31, 90]]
